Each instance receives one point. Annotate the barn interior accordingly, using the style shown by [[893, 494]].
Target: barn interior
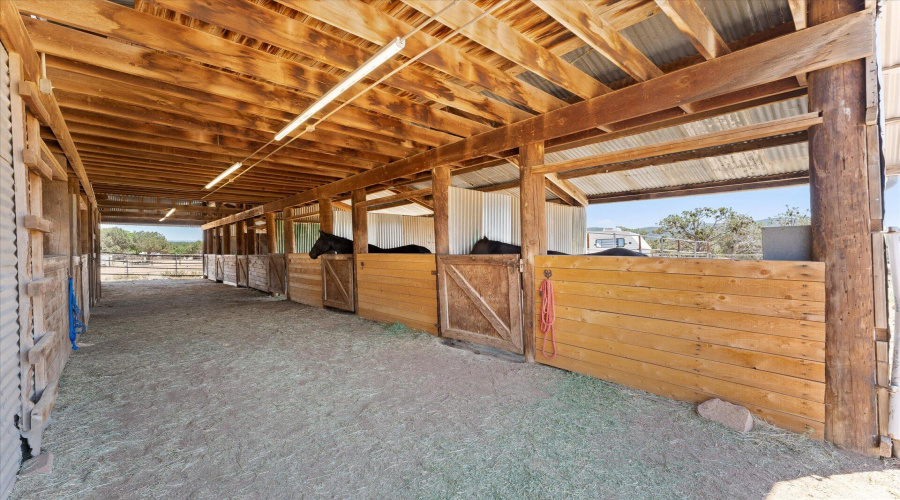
[[436, 123]]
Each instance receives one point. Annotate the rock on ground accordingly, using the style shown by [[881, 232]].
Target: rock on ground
[[727, 414]]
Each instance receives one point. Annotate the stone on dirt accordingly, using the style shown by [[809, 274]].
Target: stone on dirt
[[727, 414], [41, 464]]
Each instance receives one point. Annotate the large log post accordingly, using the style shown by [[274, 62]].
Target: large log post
[[226, 239], [326, 216], [534, 234], [839, 201], [271, 233], [289, 243], [241, 238], [440, 191], [360, 222], [251, 239]]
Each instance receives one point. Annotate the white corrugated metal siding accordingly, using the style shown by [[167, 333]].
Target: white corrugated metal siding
[[475, 214], [10, 448], [389, 230]]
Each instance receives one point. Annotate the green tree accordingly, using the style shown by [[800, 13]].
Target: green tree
[[185, 247], [150, 242], [728, 231], [792, 216], [115, 240]]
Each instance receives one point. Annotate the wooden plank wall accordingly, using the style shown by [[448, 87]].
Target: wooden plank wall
[[259, 272], [230, 265], [304, 279], [56, 315], [749, 332], [398, 288]]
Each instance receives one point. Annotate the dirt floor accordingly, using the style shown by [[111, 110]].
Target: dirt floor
[[189, 389]]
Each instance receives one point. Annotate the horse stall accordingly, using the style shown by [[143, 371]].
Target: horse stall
[[748, 332], [480, 296], [229, 270], [242, 270], [258, 272]]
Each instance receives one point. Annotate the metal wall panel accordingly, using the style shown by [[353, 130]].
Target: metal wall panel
[[10, 404], [419, 231], [475, 214], [465, 226]]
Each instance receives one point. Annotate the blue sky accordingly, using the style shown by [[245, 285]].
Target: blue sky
[[758, 204]]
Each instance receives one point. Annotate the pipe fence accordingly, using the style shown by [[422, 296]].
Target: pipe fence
[[123, 266]]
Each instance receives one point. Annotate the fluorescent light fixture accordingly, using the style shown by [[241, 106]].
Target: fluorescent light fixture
[[386, 52], [223, 175], [170, 212]]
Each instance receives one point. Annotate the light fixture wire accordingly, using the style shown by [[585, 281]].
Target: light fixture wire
[[369, 87]]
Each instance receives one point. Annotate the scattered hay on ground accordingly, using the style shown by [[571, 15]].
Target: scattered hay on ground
[[195, 390]]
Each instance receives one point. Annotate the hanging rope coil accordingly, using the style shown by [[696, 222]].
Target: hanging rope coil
[[548, 317], [76, 325]]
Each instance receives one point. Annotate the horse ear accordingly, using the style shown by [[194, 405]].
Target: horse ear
[[321, 232]]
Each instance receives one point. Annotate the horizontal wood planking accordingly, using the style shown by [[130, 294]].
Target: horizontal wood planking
[[792, 290], [259, 272], [751, 332], [769, 269], [305, 279], [813, 428], [230, 269], [398, 288], [784, 308]]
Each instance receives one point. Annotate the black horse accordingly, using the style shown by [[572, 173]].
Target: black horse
[[485, 246], [329, 243]]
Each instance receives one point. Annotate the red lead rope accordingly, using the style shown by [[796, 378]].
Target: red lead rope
[[548, 317]]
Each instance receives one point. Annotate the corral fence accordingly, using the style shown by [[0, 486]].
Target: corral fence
[[123, 266]]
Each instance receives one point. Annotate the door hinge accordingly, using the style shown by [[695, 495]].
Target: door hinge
[[434, 273], [521, 265]]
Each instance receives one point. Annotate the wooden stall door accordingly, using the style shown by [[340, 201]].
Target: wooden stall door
[[242, 270], [338, 282], [220, 268], [480, 299], [277, 273]]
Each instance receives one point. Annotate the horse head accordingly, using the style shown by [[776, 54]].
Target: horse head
[[323, 245]]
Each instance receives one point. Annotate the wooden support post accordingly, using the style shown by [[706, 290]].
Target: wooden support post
[[532, 204], [226, 239], [241, 238], [205, 249], [839, 200], [326, 216], [440, 191], [360, 222], [251, 239], [271, 233], [289, 243]]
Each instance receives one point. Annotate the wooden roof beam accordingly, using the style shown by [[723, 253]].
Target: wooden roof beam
[[845, 39], [369, 23], [500, 38], [693, 154], [565, 190], [693, 23], [724, 186], [165, 37], [714, 139], [265, 25]]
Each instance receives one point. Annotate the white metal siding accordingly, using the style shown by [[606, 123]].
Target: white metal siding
[[389, 230], [10, 449], [475, 214]]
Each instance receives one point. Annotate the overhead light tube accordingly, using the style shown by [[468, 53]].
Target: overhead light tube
[[224, 174], [170, 212], [380, 57]]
